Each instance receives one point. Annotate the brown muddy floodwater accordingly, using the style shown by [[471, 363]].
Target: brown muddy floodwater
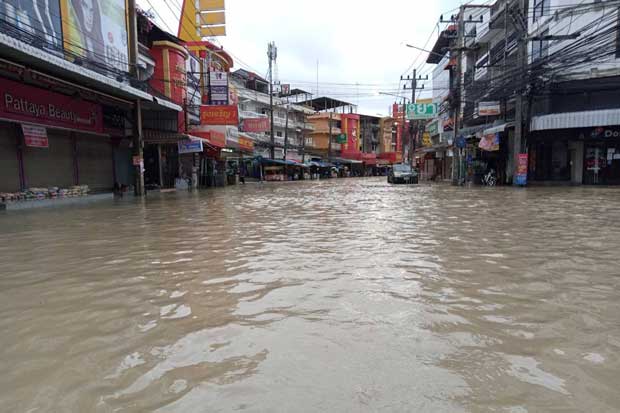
[[341, 295]]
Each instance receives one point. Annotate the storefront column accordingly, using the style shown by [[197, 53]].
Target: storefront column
[[19, 148], [138, 150], [160, 166], [74, 152]]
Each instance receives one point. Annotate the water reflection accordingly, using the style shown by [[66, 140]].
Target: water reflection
[[347, 295]]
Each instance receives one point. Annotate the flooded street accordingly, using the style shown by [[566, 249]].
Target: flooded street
[[340, 295]]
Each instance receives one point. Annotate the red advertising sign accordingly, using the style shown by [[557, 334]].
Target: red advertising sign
[[246, 143], [219, 115], [521, 175], [255, 125], [35, 136], [214, 135], [25, 103]]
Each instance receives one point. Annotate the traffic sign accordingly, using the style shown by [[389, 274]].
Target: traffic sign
[[421, 111]]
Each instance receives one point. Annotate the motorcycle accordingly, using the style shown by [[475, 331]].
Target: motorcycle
[[489, 179]]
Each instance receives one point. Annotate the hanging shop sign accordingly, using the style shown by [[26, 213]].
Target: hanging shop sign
[[219, 115], [214, 135], [254, 125], [218, 88], [35, 136], [489, 142], [350, 125], [489, 108], [433, 128], [426, 140], [246, 143], [341, 138], [190, 146], [421, 111], [397, 111], [96, 31], [521, 175], [33, 105]]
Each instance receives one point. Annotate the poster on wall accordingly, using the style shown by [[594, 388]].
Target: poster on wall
[[35, 136], [96, 31], [40, 19]]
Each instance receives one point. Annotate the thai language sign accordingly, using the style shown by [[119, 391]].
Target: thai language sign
[[421, 111], [255, 125], [521, 173], [35, 136], [219, 115]]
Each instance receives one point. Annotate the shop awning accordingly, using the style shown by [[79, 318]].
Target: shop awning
[[156, 136], [584, 119], [344, 160], [499, 128]]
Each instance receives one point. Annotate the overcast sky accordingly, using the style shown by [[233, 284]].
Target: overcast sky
[[353, 41]]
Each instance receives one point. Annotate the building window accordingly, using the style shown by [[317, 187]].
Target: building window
[[541, 8], [279, 134], [540, 47]]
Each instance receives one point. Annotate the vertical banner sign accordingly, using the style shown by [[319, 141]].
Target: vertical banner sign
[[218, 88], [521, 175], [96, 31], [35, 136]]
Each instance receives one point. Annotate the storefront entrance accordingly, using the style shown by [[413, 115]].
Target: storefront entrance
[[550, 160], [602, 163]]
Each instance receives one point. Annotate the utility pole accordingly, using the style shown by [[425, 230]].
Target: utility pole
[[457, 113], [520, 111], [414, 127], [137, 143], [272, 54]]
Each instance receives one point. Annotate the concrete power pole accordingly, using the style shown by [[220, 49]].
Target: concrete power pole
[[272, 54], [137, 113], [457, 160], [521, 117]]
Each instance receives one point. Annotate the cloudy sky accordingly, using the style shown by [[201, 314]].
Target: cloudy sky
[[360, 46]]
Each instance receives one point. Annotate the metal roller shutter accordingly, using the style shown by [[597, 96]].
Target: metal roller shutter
[[53, 166], [9, 167], [95, 164]]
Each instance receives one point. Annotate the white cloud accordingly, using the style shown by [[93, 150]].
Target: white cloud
[[354, 41]]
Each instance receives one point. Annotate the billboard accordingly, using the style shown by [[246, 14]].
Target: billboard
[[96, 31], [39, 19]]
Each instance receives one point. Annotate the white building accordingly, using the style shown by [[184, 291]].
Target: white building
[[289, 123]]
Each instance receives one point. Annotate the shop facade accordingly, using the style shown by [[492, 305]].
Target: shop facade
[[50, 140], [589, 156]]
